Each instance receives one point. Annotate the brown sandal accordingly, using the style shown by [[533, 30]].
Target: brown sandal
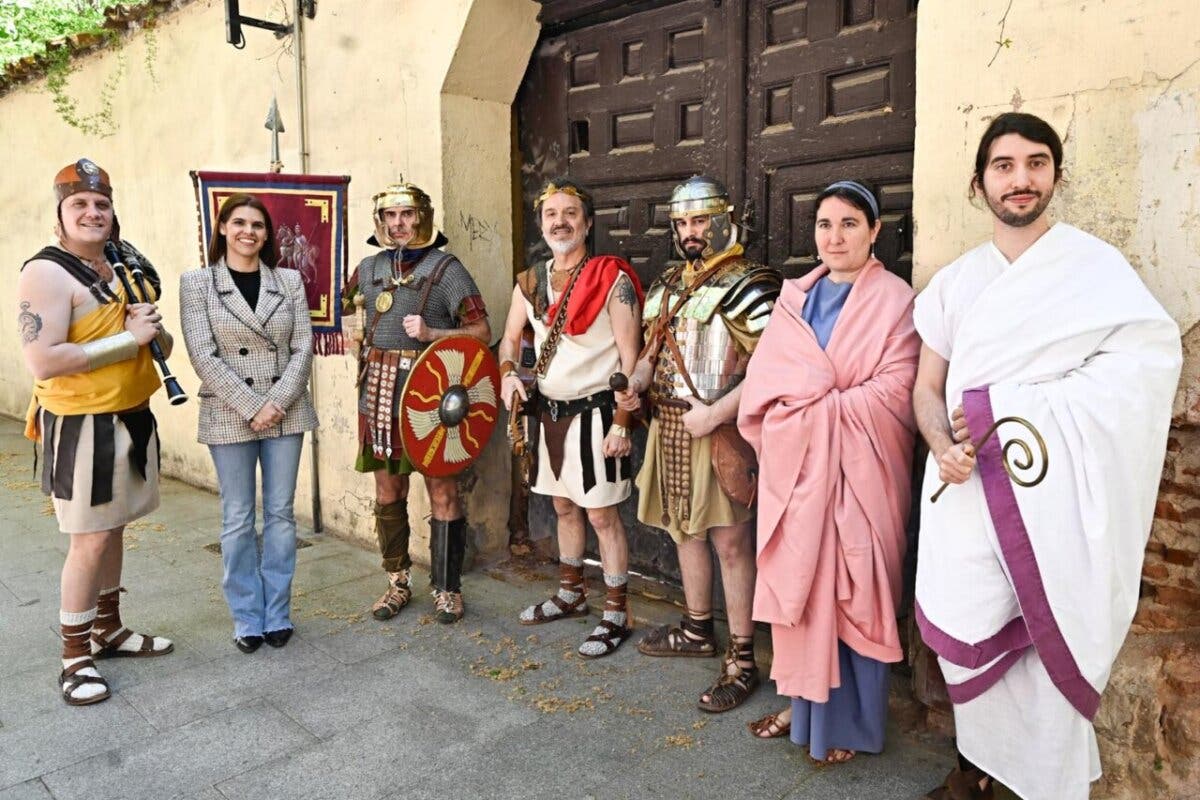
[[830, 761], [612, 631], [396, 597], [111, 648], [736, 683], [964, 785], [674, 641], [69, 680], [577, 608], [768, 727]]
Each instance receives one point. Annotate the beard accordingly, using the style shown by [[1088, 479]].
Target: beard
[[693, 249], [1017, 219], [562, 246]]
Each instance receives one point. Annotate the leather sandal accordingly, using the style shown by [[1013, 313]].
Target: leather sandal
[[830, 761], [69, 680], [449, 606], [769, 727], [964, 785], [736, 683], [667, 641], [111, 648], [395, 597], [578, 608], [612, 638]]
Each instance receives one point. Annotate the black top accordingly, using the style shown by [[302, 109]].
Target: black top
[[248, 284]]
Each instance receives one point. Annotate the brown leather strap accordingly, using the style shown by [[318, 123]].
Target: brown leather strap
[[87, 663], [658, 334], [673, 346], [550, 346], [434, 277]]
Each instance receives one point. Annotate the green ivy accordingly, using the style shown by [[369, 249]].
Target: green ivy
[[35, 28], [26, 26]]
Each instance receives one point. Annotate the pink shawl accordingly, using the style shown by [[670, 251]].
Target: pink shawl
[[834, 432]]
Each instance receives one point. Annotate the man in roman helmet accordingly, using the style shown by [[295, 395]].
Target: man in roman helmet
[[410, 293], [85, 341], [703, 319], [585, 312]]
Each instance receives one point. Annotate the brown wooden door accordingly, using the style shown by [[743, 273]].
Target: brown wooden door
[[776, 98], [627, 108], [830, 95]]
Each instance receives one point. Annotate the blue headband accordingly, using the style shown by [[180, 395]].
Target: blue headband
[[860, 190]]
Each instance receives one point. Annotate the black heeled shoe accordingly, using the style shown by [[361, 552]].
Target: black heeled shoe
[[280, 637], [248, 644]]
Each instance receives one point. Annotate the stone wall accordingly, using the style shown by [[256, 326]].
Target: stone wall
[[1131, 126]]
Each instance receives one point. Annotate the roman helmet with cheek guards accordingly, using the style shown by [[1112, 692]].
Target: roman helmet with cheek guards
[[401, 195], [703, 195]]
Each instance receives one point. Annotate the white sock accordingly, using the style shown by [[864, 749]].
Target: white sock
[[615, 617], [549, 609], [134, 642], [87, 690]]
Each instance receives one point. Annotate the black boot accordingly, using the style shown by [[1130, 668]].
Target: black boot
[[448, 546]]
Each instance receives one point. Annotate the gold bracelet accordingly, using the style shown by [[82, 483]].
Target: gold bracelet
[[507, 367], [109, 350], [618, 430]]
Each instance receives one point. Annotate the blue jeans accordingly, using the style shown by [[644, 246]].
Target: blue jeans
[[258, 580]]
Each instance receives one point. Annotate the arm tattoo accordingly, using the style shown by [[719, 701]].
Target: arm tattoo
[[29, 323], [625, 291]]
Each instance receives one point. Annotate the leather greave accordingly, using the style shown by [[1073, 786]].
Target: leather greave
[[391, 529], [448, 548]]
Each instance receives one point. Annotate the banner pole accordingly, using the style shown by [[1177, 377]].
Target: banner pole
[[302, 113]]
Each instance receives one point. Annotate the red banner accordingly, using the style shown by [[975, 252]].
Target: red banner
[[309, 214]]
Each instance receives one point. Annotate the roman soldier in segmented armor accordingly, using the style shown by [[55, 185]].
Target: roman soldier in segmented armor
[[406, 296], [702, 321]]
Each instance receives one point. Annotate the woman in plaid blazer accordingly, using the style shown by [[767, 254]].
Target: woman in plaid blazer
[[248, 334]]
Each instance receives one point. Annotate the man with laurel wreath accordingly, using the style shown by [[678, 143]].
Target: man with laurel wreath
[[410, 294], [585, 312]]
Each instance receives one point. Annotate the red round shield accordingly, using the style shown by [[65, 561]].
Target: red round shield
[[449, 405]]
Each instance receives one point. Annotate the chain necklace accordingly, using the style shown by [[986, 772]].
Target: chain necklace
[[99, 266]]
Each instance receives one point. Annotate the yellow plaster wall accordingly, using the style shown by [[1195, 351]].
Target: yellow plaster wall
[[1119, 80], [388, 84]]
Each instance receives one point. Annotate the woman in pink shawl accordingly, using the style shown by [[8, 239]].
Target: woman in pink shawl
[[827, 405]]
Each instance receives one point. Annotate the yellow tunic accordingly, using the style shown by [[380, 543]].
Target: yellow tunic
[[115, 387]]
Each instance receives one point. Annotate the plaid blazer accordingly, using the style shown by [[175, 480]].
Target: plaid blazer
[[246, 357]]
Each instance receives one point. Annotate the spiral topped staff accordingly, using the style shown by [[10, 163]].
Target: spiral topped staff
[[175, 393], [1012, 465]]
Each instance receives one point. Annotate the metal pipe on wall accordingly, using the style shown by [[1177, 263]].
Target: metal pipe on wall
[[302, 113]]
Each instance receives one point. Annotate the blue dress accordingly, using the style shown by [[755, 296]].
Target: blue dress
[[855, 715]]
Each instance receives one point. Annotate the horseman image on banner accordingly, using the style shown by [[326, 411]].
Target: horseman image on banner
[[309, 212]]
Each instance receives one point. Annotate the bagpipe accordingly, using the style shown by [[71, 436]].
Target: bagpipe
[[175, 393]]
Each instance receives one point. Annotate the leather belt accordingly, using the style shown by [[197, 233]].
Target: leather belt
[[406, 356], [658, 401], [557, 409]]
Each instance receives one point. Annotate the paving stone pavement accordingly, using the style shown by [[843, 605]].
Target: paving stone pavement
[[353, 708]]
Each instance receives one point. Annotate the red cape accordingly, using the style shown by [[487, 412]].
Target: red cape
[[591, 292]]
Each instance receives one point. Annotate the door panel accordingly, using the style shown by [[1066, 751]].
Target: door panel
[[790, 210], [829, 83]]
